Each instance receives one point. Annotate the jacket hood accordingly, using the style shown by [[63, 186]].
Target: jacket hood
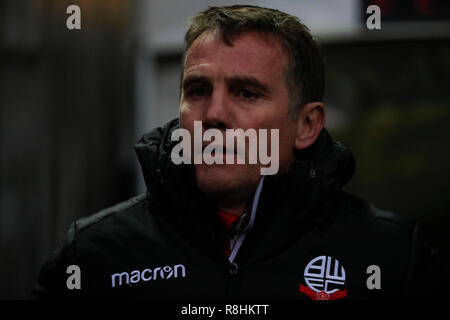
[[317, 173]]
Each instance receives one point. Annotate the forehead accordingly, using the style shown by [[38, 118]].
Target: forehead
[[249, 52]]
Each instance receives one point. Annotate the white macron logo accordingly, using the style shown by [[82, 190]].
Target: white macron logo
[[136, 276]]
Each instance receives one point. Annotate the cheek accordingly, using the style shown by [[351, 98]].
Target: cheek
[[186, 116], [190, 112], [286, 143]]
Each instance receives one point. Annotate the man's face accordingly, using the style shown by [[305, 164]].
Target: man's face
[[231, 87]]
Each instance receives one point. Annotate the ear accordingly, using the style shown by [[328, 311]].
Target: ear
[[310, 122]]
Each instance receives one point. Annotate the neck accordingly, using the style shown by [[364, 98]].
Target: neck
[[236, 210], [234, 205]]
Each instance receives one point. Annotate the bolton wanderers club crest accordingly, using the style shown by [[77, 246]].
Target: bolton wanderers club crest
[[324, 278]]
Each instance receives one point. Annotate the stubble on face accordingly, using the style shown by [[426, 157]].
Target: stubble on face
[[230, 87]]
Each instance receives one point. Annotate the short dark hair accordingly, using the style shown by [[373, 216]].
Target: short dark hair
[[305, 74]]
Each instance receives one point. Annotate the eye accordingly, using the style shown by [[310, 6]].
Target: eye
[[198, 92], [248, 94]]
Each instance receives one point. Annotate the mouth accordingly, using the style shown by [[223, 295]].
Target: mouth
[[219, 149]]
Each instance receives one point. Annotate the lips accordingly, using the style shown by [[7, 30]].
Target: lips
[[218, 148]]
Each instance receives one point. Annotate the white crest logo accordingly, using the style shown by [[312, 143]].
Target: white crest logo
[[323, 273]]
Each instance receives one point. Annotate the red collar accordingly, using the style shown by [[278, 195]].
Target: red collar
[[228, 219]]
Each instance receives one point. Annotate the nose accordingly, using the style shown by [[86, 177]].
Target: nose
[[218, 114]]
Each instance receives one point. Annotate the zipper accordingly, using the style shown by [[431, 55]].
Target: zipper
[[239, 239], [233, 267]]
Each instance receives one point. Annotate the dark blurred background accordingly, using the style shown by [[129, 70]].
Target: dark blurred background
[[74, 102]]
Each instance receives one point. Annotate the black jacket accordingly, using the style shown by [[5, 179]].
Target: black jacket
[[165, 244]]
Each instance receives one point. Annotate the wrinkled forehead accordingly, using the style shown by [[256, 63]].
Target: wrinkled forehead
[[250, 43]]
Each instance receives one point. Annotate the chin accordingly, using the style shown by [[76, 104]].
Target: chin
[[217, 180]]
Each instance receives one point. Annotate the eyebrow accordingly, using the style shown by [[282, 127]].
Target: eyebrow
[[192, 79], [238, 81], [234, 81]]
